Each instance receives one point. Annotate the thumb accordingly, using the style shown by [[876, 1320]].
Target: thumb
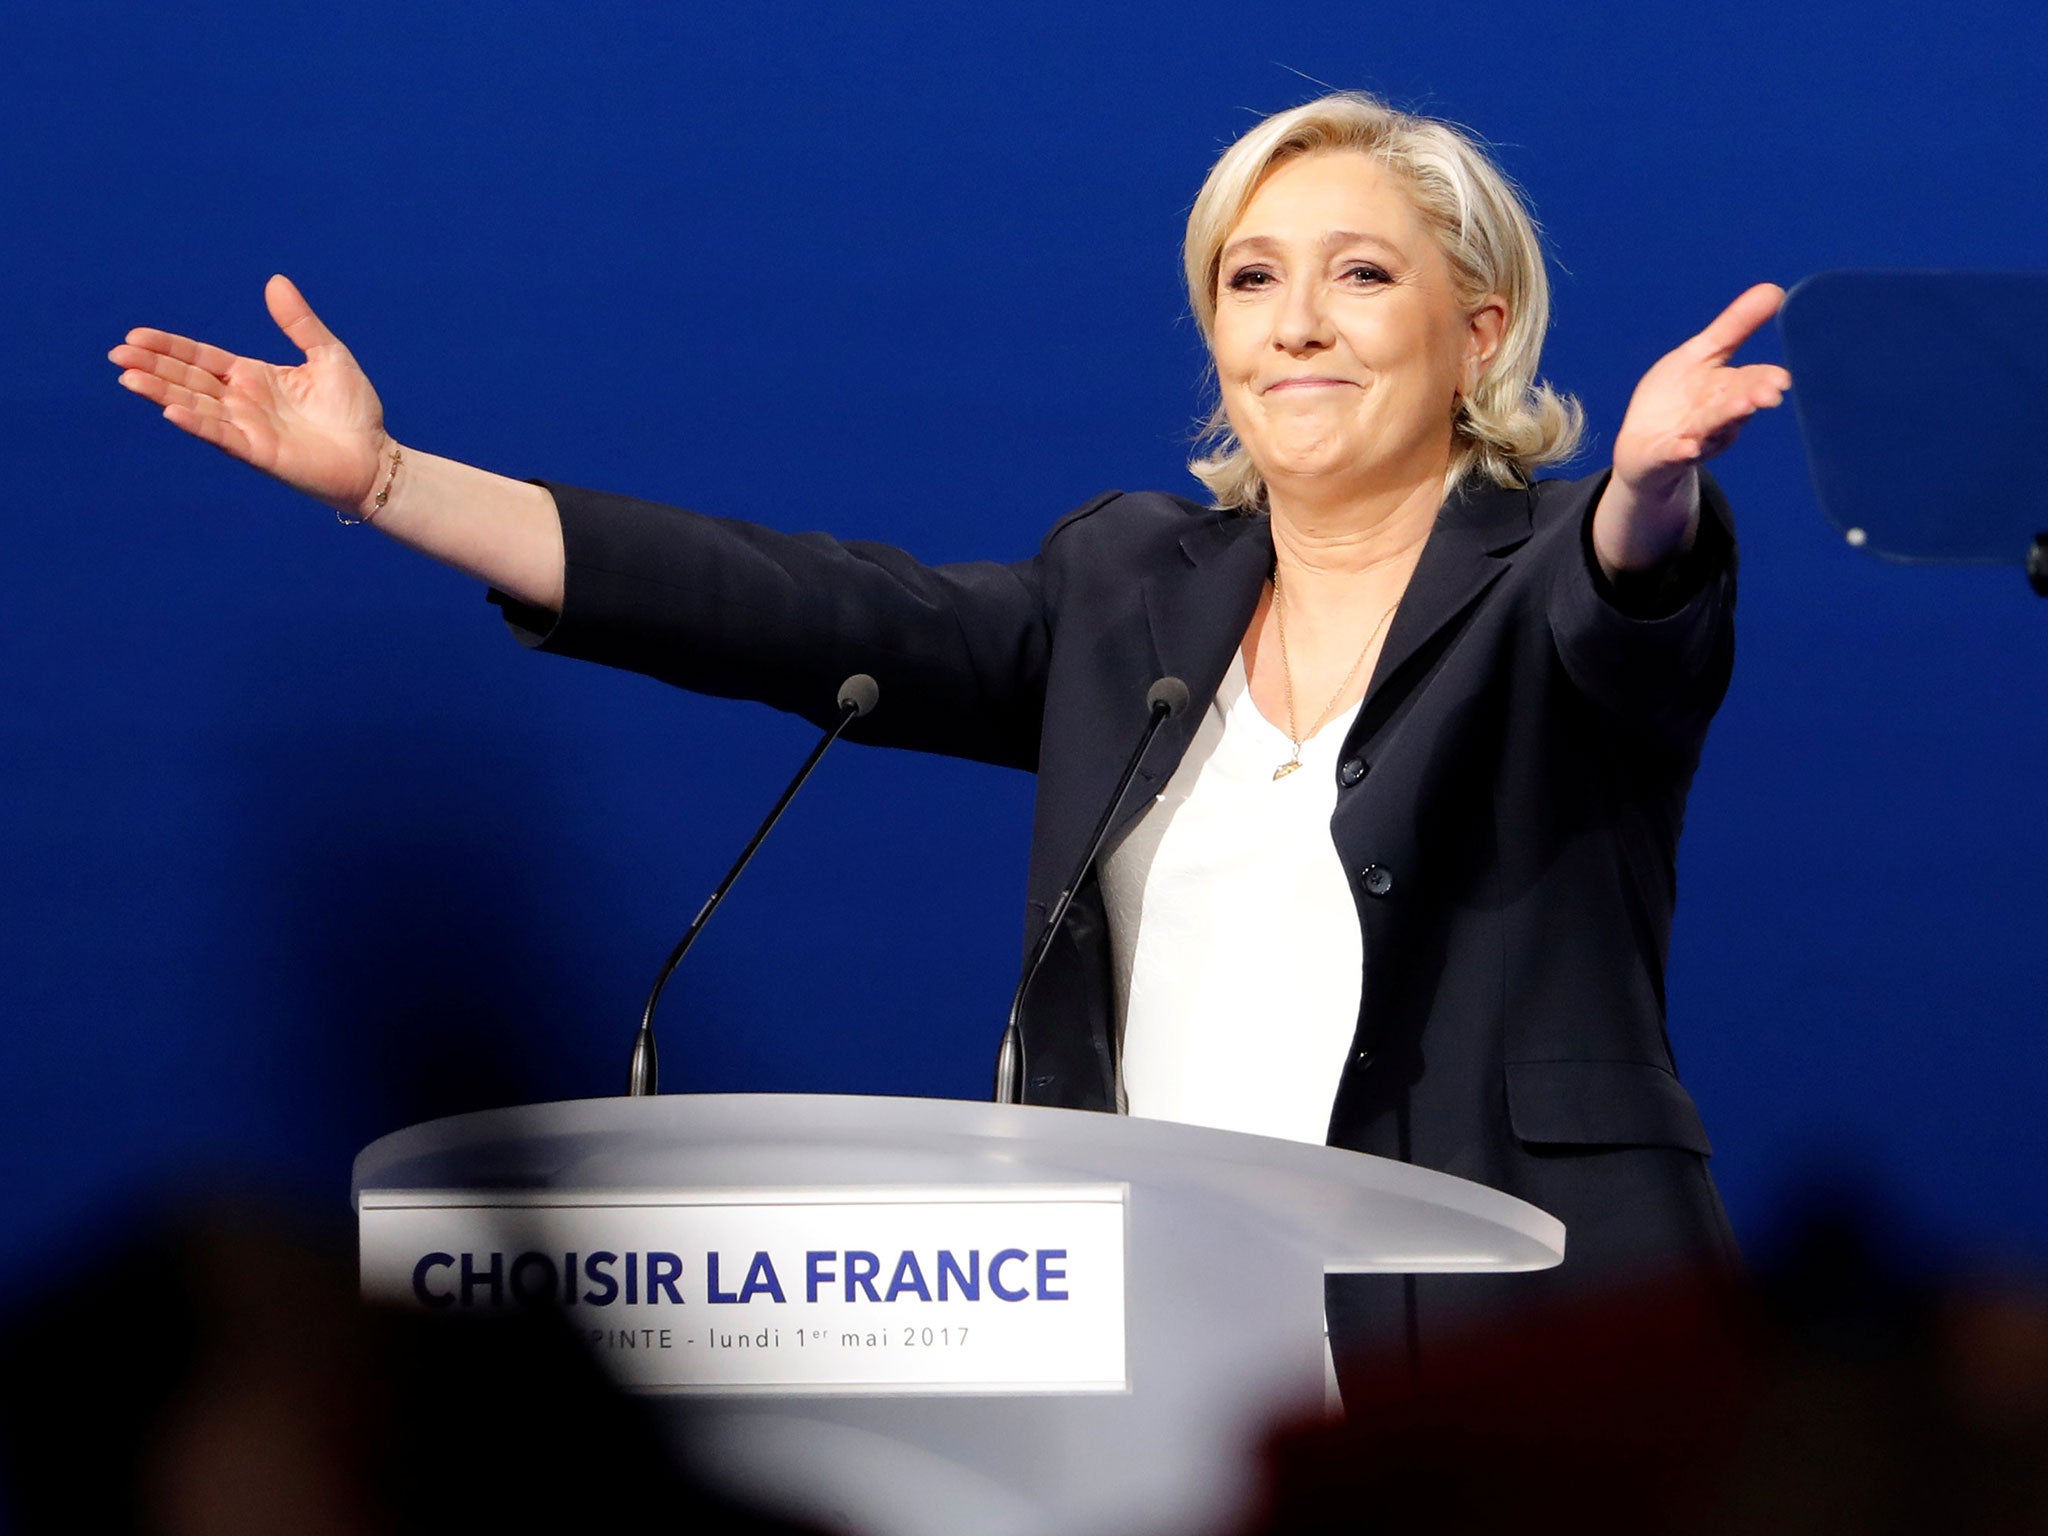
[[294, 316], [1739, 321]]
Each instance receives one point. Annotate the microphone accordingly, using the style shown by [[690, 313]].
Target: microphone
[[1169, 694], [1163, 700], [857, 695]]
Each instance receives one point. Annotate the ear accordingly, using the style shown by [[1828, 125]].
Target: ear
[[1484, 328]]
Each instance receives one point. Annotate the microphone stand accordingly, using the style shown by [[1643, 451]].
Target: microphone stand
[[857, 696], [1166, 698]]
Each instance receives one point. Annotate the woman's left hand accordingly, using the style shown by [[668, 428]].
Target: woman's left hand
[[1688, 407]]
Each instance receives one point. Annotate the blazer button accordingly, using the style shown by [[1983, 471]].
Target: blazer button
[[1352, 771], [1378, 881]]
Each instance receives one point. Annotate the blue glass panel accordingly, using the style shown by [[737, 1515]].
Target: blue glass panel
[[1923, 401]]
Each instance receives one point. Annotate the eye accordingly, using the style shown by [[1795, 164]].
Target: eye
[[1366, 273], [1247, 279]]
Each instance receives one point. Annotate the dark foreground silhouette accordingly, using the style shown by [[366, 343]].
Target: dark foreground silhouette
[[220, 1376]]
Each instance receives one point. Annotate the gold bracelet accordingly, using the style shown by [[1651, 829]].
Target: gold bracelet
[[377, 501]]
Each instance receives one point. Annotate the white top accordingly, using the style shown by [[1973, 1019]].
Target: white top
[[1234, 933]]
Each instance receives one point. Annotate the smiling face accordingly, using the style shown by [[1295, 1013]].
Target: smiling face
[[1341, 346]]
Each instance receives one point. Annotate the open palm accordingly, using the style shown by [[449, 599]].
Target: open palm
[[318, 427], [1693, 401]]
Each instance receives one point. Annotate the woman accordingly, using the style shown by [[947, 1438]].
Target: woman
[[1403, 878]]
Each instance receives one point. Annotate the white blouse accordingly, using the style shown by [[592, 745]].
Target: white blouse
[[1234, 933]]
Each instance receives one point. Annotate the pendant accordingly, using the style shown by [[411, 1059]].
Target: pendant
[[1286, 768]]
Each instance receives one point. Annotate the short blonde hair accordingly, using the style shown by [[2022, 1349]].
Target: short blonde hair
[[1512, 422]]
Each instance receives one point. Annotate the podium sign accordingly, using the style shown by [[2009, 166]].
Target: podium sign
[[1015, 1289], [1141, 1301]]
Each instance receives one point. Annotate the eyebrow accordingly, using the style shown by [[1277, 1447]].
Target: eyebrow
[[1336, 239]]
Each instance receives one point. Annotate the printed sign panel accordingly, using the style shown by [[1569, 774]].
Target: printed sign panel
[[1020, 1290]]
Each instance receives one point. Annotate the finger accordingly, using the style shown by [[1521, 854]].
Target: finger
[[144, 383], [1716, 420], [1738, 322], [215, 360], [142, 360], [1708, 439], [215, 429], [1721, 441], [155, 387], [1762, 384], [295, 317]]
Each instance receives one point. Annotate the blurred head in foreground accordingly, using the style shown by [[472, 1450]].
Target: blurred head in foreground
[[220, 1377]]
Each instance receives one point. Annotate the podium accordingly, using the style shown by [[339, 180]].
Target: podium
[[924, 1315]]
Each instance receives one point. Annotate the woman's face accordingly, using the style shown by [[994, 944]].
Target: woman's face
[[1340, 347]]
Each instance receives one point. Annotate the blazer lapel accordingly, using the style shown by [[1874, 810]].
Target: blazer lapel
[[1475, 529], [1198, 609], [1197, 612]]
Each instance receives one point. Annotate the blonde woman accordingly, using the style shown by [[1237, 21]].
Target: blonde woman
[[1402, 877]]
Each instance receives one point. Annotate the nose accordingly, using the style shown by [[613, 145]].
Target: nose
[[1303, 322]]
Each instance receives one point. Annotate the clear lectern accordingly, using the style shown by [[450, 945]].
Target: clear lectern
[[922, 1316]]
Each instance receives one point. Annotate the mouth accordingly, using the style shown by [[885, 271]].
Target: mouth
[[1307, 381]]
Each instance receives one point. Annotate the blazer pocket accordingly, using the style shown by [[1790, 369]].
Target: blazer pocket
[[1602, 1104]]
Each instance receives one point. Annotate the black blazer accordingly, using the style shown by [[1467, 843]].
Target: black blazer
[[1510, 798]]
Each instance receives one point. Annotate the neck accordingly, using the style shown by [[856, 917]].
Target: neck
[[1320, 534]]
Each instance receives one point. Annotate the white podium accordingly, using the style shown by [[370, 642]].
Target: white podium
[[913, 1316]]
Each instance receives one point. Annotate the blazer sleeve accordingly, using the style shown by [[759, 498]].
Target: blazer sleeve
[[1657, 658], [742, 611]]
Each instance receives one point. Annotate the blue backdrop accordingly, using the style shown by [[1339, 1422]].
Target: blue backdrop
[[292, 832]]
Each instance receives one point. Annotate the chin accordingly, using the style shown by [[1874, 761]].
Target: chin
[[1310, 467]]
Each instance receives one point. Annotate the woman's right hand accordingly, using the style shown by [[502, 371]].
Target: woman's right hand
[[318, 427]]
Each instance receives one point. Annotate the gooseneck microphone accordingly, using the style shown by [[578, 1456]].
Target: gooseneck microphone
[[857, 695], [1164, 699]]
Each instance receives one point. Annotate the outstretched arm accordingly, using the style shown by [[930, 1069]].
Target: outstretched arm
[[319, 427], [1688, 407]]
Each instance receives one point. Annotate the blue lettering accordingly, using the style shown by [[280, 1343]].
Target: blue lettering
[[426, 1297], [632, 1279], [969, 1283], [494, 1276], [663, 1271], [995, 1274], [529, 1264], [598, 1268], [761, 1277], [1047, 1274], [712, 1291], [815, 1272], [861, 1269], [908, 1277]]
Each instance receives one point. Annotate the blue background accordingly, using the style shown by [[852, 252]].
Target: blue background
[[299, 847]]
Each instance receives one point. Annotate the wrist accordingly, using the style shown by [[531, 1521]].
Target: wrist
[[383, 485], [1648, 521], [1659, 485]]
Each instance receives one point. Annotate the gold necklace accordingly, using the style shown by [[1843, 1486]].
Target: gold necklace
[[1287, 674]]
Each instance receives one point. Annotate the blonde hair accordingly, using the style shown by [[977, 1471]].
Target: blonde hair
[[1511, 422]]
